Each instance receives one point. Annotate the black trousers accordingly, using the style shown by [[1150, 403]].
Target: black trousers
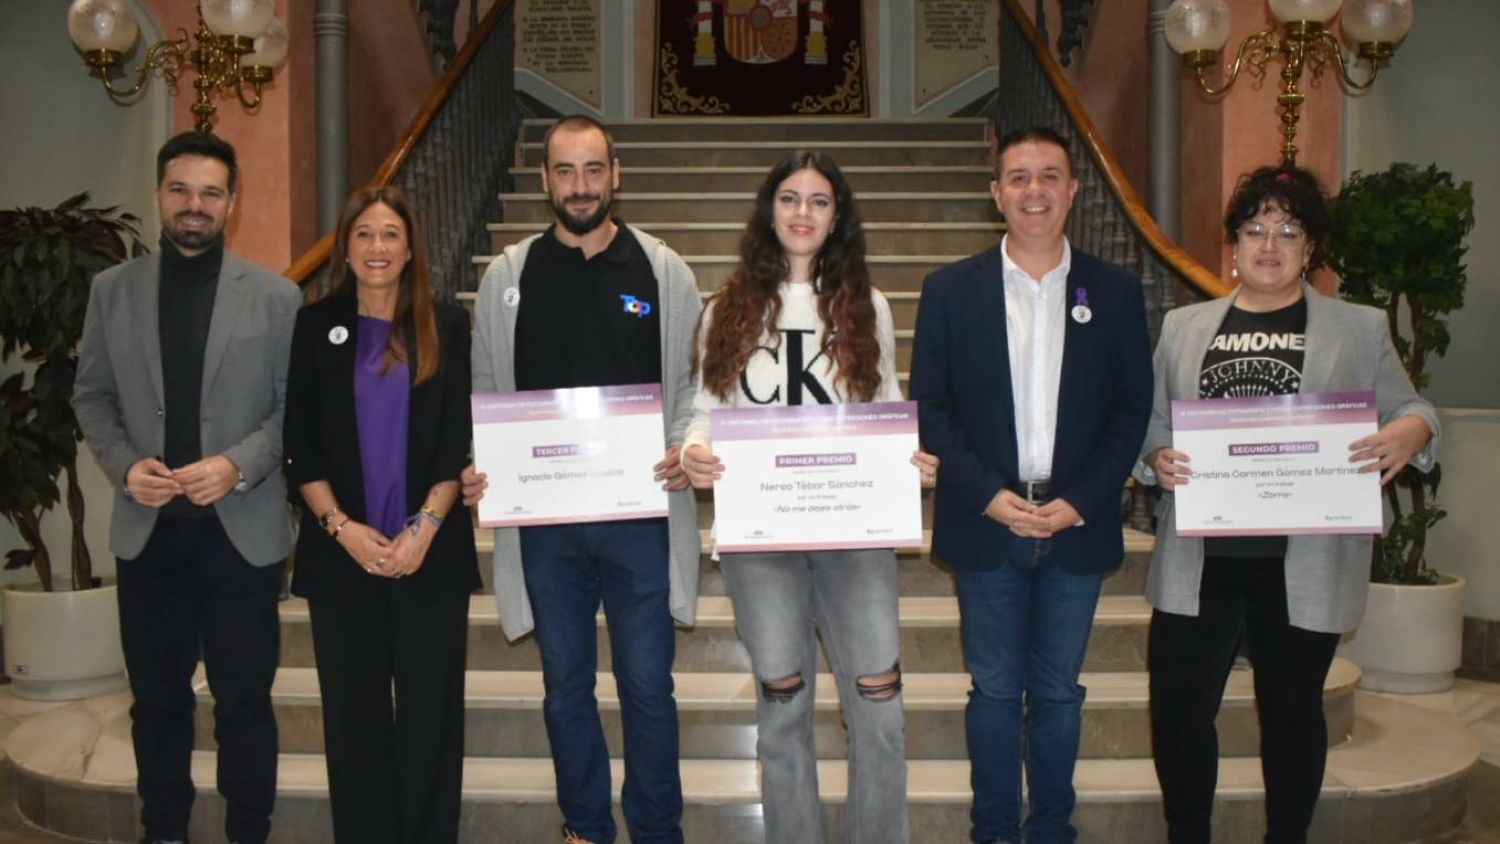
[[394, 775], [189, 593], [1190, 659]]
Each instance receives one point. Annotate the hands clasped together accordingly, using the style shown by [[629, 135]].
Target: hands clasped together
[[1034, 521], [150, 483], [384, 556]]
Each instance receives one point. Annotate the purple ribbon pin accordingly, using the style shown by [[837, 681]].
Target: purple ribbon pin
[[1080, 298]]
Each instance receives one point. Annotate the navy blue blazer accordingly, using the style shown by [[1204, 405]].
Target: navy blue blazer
[[960, 378]]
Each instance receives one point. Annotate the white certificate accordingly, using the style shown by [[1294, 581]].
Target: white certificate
[[1276, 465], [560, 456], [817, 477]]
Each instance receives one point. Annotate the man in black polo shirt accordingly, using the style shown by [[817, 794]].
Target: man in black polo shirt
[[593, 302], [180, 386]]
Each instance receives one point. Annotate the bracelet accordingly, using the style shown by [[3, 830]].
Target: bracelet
[[327, 518], [339, 527], [414, 522]]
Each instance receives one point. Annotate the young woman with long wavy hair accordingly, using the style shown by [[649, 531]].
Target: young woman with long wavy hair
[[798, 323]]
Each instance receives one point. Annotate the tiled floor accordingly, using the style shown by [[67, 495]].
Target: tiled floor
[[1475, 703]]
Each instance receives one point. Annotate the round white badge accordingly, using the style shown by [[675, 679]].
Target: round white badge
[[337, 335], [1082, 314], [511, 297]]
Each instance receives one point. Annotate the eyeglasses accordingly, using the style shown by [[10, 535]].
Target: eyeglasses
[[1286, 234]]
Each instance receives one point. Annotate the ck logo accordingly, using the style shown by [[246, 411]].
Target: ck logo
[[632, 305]]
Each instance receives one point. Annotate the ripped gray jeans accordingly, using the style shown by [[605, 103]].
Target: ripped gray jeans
[[849, 598]]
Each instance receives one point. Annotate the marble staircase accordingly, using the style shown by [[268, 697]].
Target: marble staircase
[[1397, 773]]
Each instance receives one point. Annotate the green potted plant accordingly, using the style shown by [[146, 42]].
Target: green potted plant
[[48, 258], [1398, 245]]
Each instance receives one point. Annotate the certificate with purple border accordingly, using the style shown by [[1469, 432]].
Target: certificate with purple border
[[1276, 465], [817, 477], [561, 456]]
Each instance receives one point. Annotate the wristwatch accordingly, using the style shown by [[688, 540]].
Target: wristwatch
[[327, 518], [241, 485]]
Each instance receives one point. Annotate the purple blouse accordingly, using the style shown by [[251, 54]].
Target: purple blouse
[[382, 405]]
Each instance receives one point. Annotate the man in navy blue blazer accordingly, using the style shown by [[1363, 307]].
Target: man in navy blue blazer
[[1032, 370]]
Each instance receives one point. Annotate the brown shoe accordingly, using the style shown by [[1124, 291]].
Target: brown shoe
[[571, 837]]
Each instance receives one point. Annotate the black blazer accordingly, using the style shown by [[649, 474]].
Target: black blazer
[[960, 379], [321, 435]]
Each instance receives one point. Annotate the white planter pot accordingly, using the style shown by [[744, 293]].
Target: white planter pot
[[62, 645], [1411, 640]]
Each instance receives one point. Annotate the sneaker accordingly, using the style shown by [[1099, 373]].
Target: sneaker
[[571, 837]]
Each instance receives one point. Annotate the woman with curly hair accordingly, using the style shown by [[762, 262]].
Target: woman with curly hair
[[798, 323], [1290, 596]]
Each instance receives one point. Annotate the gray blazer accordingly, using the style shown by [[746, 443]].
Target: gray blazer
[[493, 355], [1348, 348], [118, 395]]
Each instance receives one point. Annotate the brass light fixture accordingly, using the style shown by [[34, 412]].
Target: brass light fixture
[[1198, 30], [237, 45]]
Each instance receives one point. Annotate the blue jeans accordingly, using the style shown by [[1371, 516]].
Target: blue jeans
[[569, 570], [1024, 633]]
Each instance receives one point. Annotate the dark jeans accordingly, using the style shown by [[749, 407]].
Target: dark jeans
[[394, 775], [190, 593], [1190, 658], [1025, 631], [570, 570]]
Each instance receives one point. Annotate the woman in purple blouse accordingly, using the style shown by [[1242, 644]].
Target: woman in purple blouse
[[377, 429]]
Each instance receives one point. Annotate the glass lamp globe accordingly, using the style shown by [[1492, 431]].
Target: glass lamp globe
[[1196, 25], [270, 46], [1316, 11], [244, 18], [1367, 21], [102, 25]]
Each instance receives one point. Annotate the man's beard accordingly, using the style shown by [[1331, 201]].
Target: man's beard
[[581, 226], [188, 239]]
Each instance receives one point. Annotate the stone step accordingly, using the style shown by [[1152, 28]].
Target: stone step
[[1403, 777], [763, 154], [920, 573], [899, 277], [792, 130], [716, 712], [724, 238], [862, 177], [930, 639], [736, 207]]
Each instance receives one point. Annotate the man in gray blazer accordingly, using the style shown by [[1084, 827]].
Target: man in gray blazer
[[181, 380]]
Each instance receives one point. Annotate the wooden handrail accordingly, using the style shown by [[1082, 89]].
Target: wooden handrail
[[1199, 276], [303, 268]]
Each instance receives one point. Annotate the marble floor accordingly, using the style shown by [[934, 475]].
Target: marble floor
[[1475, 703]]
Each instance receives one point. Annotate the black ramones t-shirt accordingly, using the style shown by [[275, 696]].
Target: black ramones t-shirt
[[1254, 354]]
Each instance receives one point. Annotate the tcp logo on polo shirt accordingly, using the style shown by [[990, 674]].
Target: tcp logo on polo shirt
[[632, 305]]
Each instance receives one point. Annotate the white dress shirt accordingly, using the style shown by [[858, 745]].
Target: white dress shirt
[[1035, 322]]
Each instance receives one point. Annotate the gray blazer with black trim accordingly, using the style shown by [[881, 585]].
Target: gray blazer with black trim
[[1348, 348], [118, 395]]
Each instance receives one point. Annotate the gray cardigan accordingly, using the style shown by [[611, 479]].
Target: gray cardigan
[[1348, 348], [494, 372]]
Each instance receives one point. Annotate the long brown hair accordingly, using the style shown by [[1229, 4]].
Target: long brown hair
[[414, 290], [748, 306]]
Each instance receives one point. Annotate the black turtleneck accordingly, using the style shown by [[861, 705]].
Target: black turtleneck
[[186, 305]]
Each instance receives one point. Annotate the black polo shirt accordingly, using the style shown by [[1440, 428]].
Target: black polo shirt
[[587, 322]]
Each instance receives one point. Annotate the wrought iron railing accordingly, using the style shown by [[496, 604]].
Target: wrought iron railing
[[1108, 219], [453, 160]]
